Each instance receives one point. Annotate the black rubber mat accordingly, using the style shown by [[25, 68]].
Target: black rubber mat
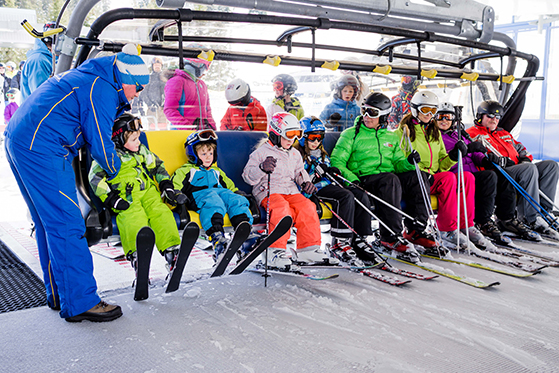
[[20, 287]]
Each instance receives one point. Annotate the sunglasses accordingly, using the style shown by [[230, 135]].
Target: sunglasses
[[491, 116], [446, 116], [293, 134], [428, 109], [315, 137], [206, 135]]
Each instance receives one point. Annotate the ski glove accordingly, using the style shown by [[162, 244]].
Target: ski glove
[[458, 147], [414, 156], [172, 195], [523, 159], [335, 118], [115, 202], [308, 187], [269, 165], [476, 147]]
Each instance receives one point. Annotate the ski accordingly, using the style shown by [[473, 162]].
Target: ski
[[189, 238], [390, 268], [241, 234], [535, 253], [145, 240], [384, 278], [509, 252], [482, 266], [444, 272], [283, 226], [296, 273], [497, 258]]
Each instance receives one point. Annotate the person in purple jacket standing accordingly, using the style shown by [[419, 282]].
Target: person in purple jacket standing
[[490, 191], [187, 102]]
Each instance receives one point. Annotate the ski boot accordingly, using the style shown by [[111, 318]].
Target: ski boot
[[170, 255], [342, 251], [314, 255], [367, 255], [277, 258], [401, 250], [132, 257], [490, 229], [478, 239], [541, 226], [451, 239], [420, 238], [219, 243], [517, 227]]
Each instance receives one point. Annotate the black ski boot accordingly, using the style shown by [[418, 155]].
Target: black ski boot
[[366, 254], [491, 230]]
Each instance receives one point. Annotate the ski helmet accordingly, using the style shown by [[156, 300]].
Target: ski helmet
[[196, 66], [311, 126], [409, 83], [203, 136], [49, 26], [123, 124], [344, 81], [425, 101], [489, 107], [11, 64], [446, 109], [377, 105], [285, 82], [237, 92], [284, 125]]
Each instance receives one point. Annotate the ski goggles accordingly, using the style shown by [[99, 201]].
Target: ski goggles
[[315, 136], [278, 86], [491, 116], [133, 125], [445, 116], [427, 110], [293, 134], [206, 135], [372, 112]]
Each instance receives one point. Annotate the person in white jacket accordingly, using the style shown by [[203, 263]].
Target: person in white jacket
[[277, 174]]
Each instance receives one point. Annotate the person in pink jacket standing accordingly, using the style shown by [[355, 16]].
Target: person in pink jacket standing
[[187, 103], [276, 172]]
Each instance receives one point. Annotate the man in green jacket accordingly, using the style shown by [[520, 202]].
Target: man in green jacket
[[370, 155]]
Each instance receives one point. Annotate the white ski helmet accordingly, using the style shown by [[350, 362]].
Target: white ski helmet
[[446, 107], [423, 99], [237, 92], [284, 125]]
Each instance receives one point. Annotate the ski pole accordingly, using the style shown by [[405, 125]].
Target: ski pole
[[320, 171], [539, 209], [267, 232], [353, 230], [461, 186], [548, 199]]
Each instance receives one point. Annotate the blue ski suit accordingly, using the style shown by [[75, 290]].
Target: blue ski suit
[[68, 111], [348, 110], [37, 69], [212, 191]]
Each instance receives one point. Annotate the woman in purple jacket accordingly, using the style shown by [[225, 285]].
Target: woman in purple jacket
[[490, 191]]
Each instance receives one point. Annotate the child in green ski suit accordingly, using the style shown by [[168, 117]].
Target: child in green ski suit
[[133, 193]]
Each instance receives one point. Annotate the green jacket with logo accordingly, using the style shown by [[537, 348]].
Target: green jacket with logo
[[369, 152]]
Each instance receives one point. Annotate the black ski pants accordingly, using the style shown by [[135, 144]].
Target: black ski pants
[[494, 193]]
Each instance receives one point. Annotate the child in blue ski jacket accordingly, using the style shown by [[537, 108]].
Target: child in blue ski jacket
[[343, 110], [209, 189]]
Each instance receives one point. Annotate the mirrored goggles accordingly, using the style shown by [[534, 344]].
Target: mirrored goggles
[[315, 136], [491, 116], [427, 110], [445, 116], [293, 134], [207, 135]]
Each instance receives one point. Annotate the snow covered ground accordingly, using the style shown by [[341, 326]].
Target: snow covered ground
[[235, 324]]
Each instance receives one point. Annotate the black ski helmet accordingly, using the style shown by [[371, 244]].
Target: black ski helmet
[[489, 107], [125, 123], [285, 82], [380, 102], [347, 80]]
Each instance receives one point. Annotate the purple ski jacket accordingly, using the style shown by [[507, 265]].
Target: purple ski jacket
[[186, 99], [471, 161]]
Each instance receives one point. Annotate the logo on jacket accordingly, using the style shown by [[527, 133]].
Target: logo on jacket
[[388, 145]]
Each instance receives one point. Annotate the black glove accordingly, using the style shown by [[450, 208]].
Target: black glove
[[115, 202], [509, 162], [335, 118], [523, 159], [308, 187], [168, 191], [414, 156], [490, 160], [458, 147], [334, 170], [476, 147], [269, 165]]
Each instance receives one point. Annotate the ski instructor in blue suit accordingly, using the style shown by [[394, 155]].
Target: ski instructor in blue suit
[[69, 111]]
